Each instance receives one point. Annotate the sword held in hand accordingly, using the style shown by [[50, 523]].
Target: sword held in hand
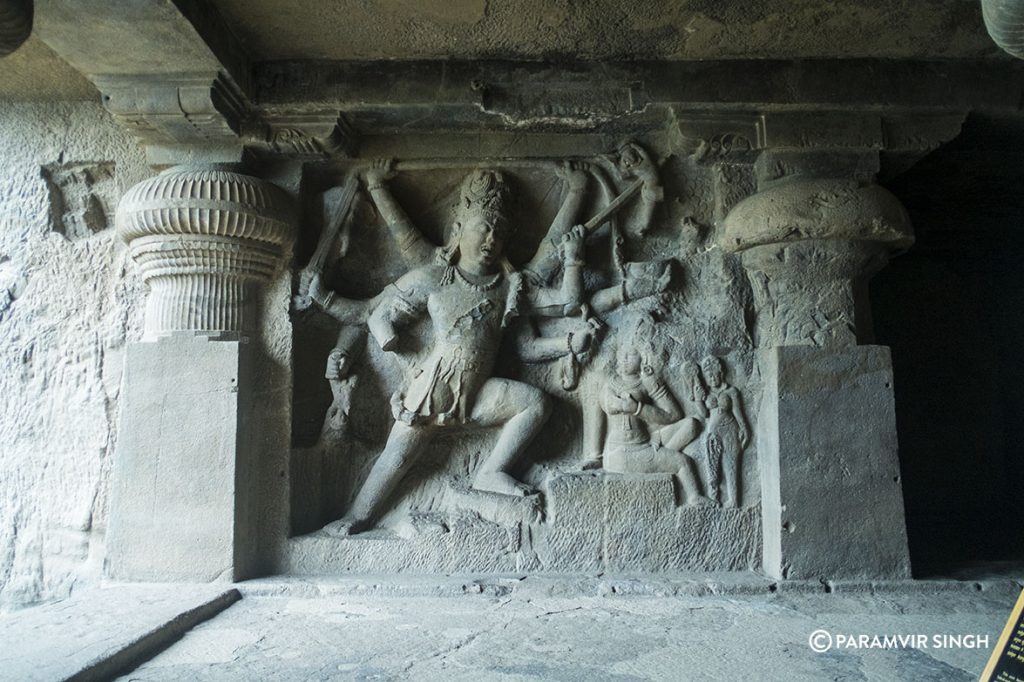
[[338, 202]]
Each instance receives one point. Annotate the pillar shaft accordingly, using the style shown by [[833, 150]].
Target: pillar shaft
[[184, 482], [832, 506]]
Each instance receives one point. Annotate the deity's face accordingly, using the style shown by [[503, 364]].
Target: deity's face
[[482, 242], [628, 361], [712, 372]]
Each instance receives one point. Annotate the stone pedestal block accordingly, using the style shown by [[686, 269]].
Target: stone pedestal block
[[183, 480], [832, 504]]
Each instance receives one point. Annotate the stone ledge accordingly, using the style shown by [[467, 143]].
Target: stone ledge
[[102, 632], [552, 585]]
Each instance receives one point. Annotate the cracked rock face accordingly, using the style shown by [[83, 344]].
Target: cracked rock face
[[663, 29]]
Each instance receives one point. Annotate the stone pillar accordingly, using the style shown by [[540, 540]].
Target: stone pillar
[[184, 483], [831, 497]]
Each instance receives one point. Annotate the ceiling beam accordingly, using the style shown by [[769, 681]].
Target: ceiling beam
[[171, 72]]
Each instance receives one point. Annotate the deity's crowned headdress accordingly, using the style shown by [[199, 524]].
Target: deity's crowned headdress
[[485, 192]]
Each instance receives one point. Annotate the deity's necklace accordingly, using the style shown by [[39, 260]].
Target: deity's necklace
[[620, 383], [486, 286]]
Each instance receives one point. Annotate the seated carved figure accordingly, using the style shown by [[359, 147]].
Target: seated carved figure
[[472, 295], [630, 400]]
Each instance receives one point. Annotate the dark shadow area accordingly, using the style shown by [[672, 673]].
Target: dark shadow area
[[952, 310]]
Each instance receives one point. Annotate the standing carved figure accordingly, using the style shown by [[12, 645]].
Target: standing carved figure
[[726, 435], [633, 398], [471, 294]]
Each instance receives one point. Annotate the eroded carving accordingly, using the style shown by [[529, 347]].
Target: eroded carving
[[809, 247], [726, 435], [641, 428], [81, 197]]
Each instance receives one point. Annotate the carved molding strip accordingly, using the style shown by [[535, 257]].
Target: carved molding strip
[[176, 110]]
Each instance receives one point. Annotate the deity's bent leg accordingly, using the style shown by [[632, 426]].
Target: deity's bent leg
[[523, 410], [730, 474], [403, 447], [691, 486], [680, 434]]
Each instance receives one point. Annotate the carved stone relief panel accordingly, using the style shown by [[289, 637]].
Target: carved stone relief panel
[[82, 197], [521, 363]]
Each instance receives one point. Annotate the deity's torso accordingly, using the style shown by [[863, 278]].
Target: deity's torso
[[625, 431], [468, 319]]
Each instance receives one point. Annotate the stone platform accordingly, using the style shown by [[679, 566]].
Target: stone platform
[[589, 523], [709, 626]]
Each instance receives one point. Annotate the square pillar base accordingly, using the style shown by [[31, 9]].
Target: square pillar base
[[182, 482], [832, 502]]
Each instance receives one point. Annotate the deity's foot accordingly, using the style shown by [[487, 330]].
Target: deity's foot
[[591, 464], [501, 483], [346, 526], [702, 501]]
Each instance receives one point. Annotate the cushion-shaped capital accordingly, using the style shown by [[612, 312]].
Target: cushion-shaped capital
[[802, 209], [205, 201]]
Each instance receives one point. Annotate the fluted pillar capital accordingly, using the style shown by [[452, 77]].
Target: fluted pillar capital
[[203, 238]]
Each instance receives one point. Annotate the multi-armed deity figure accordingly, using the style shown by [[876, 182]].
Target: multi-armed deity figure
[[472, 295]]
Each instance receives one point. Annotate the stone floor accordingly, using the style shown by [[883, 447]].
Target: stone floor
[[733, 628]]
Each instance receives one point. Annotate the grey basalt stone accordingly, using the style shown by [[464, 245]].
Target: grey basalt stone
[[183, 481], [830, 477]]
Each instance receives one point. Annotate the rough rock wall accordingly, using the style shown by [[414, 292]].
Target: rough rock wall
[[68, 303]]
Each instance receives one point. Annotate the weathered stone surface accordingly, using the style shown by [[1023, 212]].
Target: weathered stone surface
[[100, 633], [830, 477], [183, 488], [524, 634], [447, 544], [809, 247], [533, 29], [82, 197], [798, 209], [66, 310], [630, 523]]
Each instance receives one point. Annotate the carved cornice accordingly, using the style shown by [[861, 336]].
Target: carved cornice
[[181, 110]]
